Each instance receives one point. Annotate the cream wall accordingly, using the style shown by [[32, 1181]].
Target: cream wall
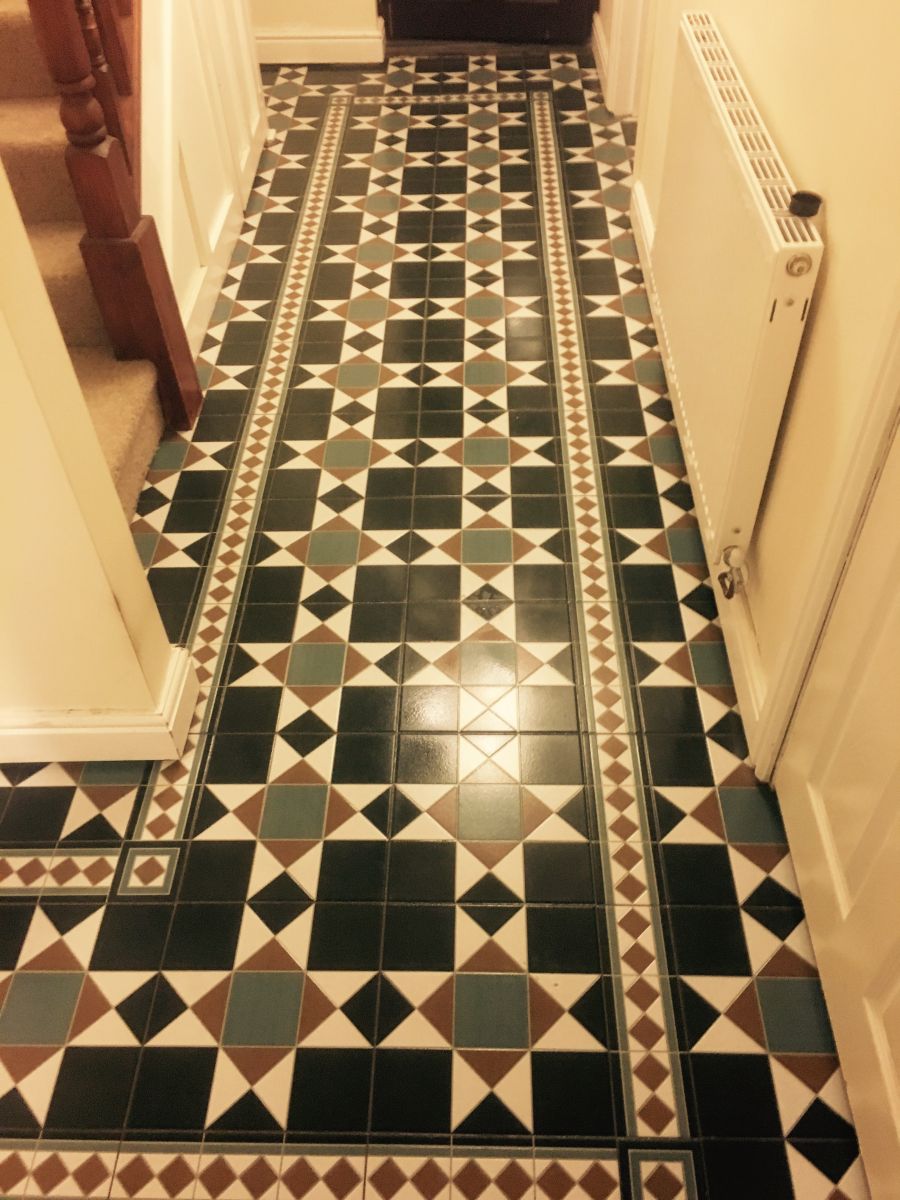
[[826, 82], [308, 31], [87, 671]]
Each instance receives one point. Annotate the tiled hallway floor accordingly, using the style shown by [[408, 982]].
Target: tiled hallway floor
[[463, 887]]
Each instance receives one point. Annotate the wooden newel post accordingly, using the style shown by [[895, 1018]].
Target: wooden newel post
[[104, 87], [121, 248]]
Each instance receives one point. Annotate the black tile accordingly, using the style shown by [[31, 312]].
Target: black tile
[[558, 873], [564, 939], [371, 622], [352, 871], [698, 875], [203, 937], [429, 707], [734, 1095], [672, 710], [573, 1094], [655, 622], [132, 937], [542, 623], [157, 1104], [434, 583], [747, 1170], [249, 710], [317, 1105], [436, 621], [382, 584], [387, 512], [708, 941], [345, 937], [363, 758], [678, 761], [550, 758], [540, 582], [92, 1090], [367, 709], [636, 512], [266, 623], [217, 871], [412, 1091], [547, 709], [642, 583], [422, 871], [427, 758], [273, 585], [419, 937], [15, 918], [35, 815]]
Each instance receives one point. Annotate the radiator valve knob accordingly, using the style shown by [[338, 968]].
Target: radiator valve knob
[[805, 204]]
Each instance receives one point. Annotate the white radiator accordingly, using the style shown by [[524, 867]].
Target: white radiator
[[731, 273]]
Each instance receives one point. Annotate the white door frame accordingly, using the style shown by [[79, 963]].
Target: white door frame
[[618, 54]]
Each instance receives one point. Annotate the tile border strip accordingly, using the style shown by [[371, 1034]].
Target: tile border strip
[[166, 804], [653, 1092]]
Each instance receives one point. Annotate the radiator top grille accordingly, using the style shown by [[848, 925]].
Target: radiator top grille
[[775, 186]]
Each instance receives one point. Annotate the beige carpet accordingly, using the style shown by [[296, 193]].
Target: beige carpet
[[121, 396]]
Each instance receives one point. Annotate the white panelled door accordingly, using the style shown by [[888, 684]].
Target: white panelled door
[[839, 784]]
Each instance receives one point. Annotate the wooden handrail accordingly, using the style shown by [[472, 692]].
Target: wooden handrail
[[121, 247]]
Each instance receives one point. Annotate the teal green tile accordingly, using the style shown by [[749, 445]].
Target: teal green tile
[[710, 662], [486, 452], [130, 773], [795, 1016], [363, 309], [751, 815], [294, 811], [649, 373], [491, 1012], [358, 375], [485, 374], [490, 664], [486, 308], [39, 1008], [145, 544], [170, 455], [487, 546], [316, 664], [666, 450], [489, 813], [686, 545], [348, 453], [263, 1009], [333, 548]]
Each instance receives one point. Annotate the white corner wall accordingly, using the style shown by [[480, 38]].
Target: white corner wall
[[203, 130], [825, 80], [306, 31], [87, 671]]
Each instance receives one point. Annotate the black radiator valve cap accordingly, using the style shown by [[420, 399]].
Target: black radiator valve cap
[[805, 204]]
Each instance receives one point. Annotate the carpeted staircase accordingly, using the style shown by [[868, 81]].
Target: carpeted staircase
[[121, 396]]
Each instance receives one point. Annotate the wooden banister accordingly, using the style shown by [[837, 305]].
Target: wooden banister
[[121, 247]]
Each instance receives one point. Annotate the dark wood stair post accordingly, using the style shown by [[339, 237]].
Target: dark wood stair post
[[121, 248]]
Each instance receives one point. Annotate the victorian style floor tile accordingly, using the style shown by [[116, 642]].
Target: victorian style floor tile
[[463, 886]]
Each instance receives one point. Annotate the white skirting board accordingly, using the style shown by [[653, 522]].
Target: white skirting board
[[98, 736], [290, 46]]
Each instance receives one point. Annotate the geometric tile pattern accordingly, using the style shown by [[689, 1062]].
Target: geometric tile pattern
[[464, 885]]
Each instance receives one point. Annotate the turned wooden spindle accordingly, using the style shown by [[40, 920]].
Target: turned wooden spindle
[[121, 248], [116, 43], [104, 88]]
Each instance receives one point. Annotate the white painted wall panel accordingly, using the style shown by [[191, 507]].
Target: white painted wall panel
[[203, 130]]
